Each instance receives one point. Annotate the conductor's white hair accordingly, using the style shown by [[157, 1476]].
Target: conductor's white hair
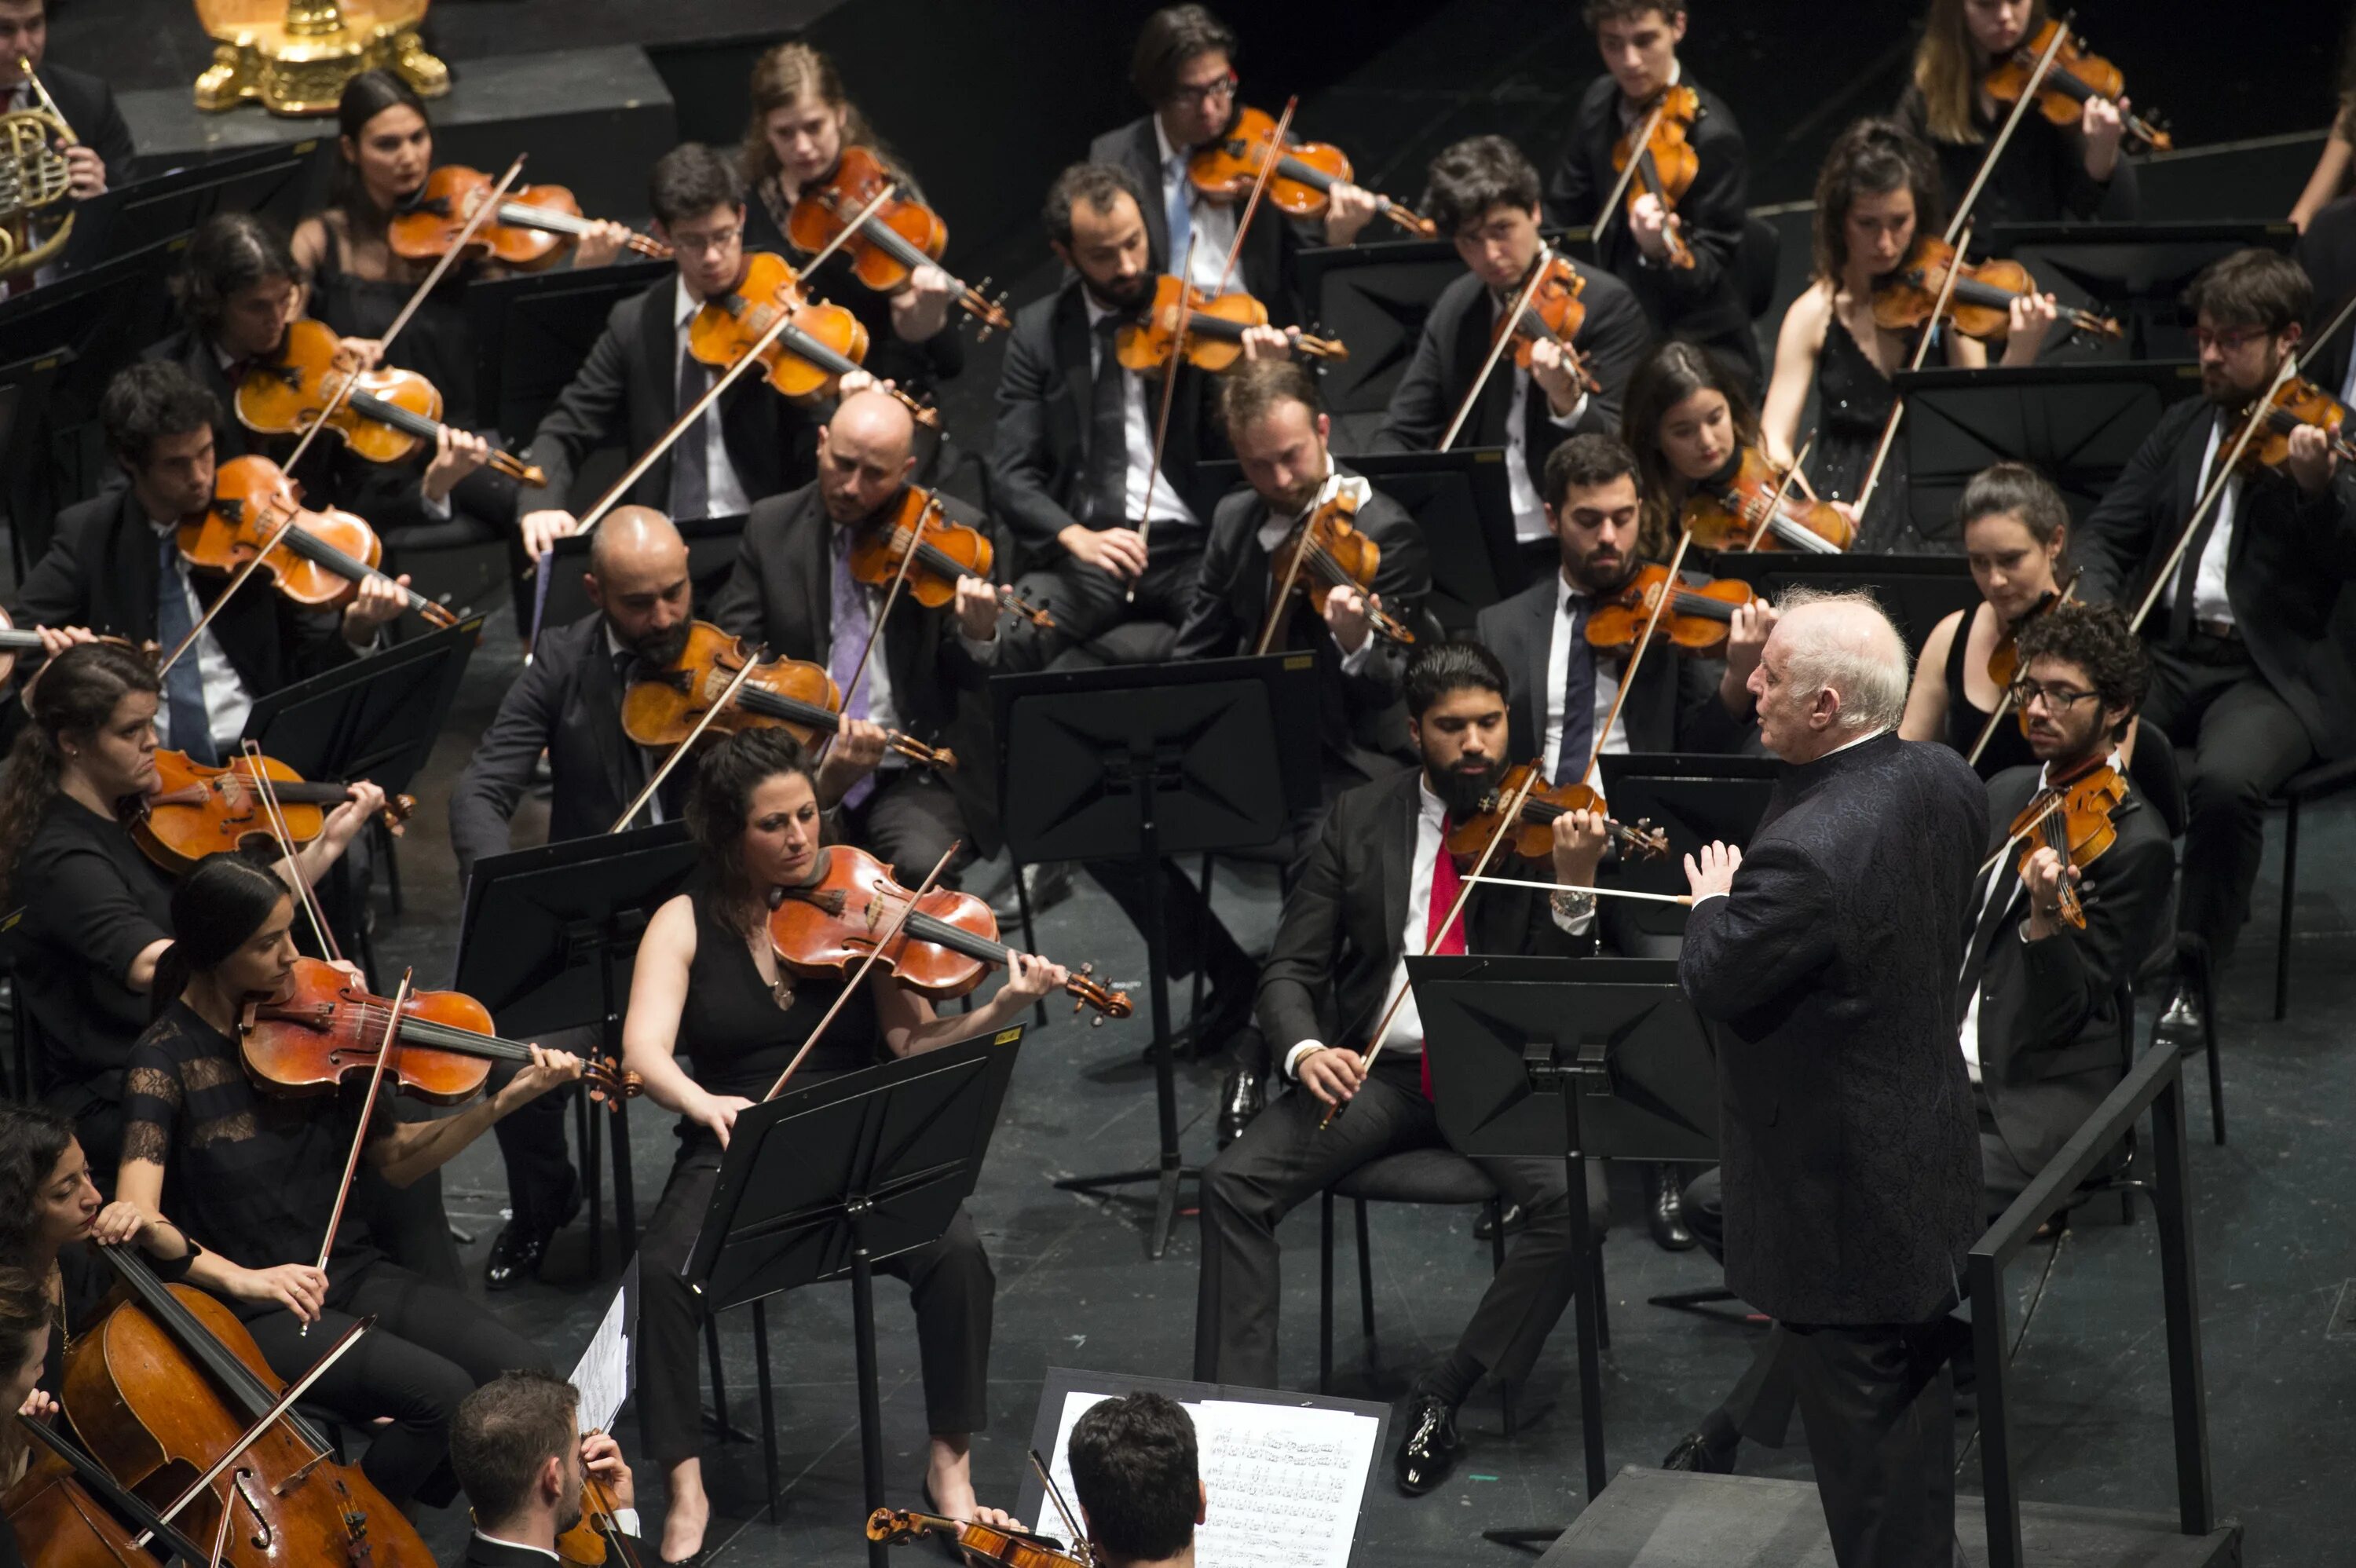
[[1844, 642]]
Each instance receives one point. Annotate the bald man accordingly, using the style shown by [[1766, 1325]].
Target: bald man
[[1825, 957], [792, 590]]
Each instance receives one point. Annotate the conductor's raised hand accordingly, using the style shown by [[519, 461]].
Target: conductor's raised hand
[[1712, 870]]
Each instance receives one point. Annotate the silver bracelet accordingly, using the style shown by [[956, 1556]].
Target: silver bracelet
[[1571, 902]]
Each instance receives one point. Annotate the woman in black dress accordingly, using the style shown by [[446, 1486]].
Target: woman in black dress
[[1688, 420], [712, 1021], [2016, 535], [253, 1179]]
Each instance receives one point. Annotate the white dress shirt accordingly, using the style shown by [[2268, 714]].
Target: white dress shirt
[[1606, 688], [625, 1518], [1529, 508], [2208, 600], [726, 491], [1137, 423], [227, 702], [1213, 222], [652, 812]]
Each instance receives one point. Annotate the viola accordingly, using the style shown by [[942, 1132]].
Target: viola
[[386, 417], [830, 925], [2071, 816], [809, 358], [2075, 75], [979, 1543], [320, 560], [1326, 550], [1302, 184], [1752, 508], [169, 1381], [2298, 401], [899, 237], [1666, 162], [530, 228], [198, 810], [1979, 305], [1553, 314], [660, 710], [1215, 330], [1698, 617], [325, 1026], [1532, 835], [586, 1542], [943, 552]]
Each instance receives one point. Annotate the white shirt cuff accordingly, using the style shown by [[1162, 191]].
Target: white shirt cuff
[[438, 510], [1564, 422], [1353, 663], [1705, 899], [1579, 924], [981, 653], [1292, 1057], [627, 1518]]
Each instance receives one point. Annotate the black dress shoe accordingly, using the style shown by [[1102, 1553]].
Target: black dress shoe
[[517, 1249], [1698, 1453], [2181, 1023], [1667, 1217], [1241, 1098], [1432, 1447], [1516, 1219]]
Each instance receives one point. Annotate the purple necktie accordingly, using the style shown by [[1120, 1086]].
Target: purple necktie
[[851, 619]]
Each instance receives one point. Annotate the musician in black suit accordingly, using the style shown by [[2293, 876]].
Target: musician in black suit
[[639, 378], [1825, 957], [100, 156], [2326, 253], [792, 591], [518, 1451], [2252, 677], [1484, 195], [1071, 461], [1184, 68], [1703, 302], [1374, 888]]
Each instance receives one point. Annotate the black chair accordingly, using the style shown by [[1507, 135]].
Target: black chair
[[1760, 254], [2325, 779], [2177, 955]]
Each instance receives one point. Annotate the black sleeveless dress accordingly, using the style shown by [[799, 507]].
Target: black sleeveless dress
[[438, 343], [1854, 400], [2007, 747], [919, 367], [737, 1036]]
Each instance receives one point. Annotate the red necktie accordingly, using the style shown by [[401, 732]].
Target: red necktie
[[1445, 885]]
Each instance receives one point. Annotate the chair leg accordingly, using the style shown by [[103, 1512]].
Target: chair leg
[[1496, 1212], [1602, 1307], [1030, 942], [768, 1401], [1194, 1014], [719, 1378], [2281, 922], [2203, 977], [1366, 1276], [1325, 1292]]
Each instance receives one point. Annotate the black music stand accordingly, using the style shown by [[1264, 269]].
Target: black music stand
[[24, 393], [171, 204], [1696, 799], [1145, 764], [1373, 297], [710, 557], [532, 331], [2079, 424], [568, 918], [827, 1180], [1577, 1058], [376, 717], [1918, 591], [2137, 272]]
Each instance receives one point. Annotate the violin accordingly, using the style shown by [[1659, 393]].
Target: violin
[[2071, 816], [2075, 75], [828, 927], [324, 1026], [198, 810], [1325, 551], [1215, 330], [1980, 305], [1301, 185], [1553, 315], [585, 1543], [811, 357], [1532, 835], [1666, 162], [530, 227], [388, 414], [979, 1543], [899, 237], [2298, 401], [169, 1382], [1752, 507], [661, 709], [945, 551], [320, 561], [1697, 620]]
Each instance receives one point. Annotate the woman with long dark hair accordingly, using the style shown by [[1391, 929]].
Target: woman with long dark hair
[[713, 1020], [253, 1178], [25, 1336], [1686, 419]]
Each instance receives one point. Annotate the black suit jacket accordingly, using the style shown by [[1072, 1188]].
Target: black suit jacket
[[2048, 1035], [1455, 342], [482, 1552], [2328, 251], [2290, 557], [1363, 720], [1673, 708], [1039, 448], [88, 104], [100, 571], [1265, 268], [567, 703], [1703, 304], [1846, 1131], [628, 389], [2041, 179], [1328, 974]]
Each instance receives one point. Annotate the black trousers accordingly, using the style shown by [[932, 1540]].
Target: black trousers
[[908, 822], [431, 1347], [1086, 603], [543, 1188], [410, 1224], [950, 1285], [1878, 1402], [2243, 741], [1282, 1161]]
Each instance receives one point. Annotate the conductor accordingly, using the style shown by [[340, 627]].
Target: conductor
[[1824, 958]]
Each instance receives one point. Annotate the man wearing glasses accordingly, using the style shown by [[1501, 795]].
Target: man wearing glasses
[[1184, 68], [2247, 676]]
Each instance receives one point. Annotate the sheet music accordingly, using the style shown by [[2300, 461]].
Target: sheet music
[[1284, 1481], [604, 1374]]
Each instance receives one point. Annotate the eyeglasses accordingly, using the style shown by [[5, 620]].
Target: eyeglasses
[[714, 243], [2230, 342], [2056, 699], [1211, 91]]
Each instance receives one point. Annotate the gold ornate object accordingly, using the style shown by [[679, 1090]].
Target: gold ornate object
[[297, 55]]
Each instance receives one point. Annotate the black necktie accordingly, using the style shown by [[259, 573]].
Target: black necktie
[[1108, 461], [690, 472], [1994, 906], [1577, 700], [2187, 572]]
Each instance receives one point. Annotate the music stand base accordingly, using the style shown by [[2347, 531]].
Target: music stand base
[[1531, 1538], [1695, 1300], [1165, 1201]]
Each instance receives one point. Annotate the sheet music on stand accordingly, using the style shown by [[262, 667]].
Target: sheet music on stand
[[603, 1375]]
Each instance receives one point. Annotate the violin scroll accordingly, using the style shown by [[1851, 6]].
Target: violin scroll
[[1107, 1002]]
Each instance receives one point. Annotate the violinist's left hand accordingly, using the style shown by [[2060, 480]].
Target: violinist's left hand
[[361, 802], [858, 747], [1347, 212], [377, 601], [601, 244], [922, 309], [1345, 609], [359, 353], [456, 454], [1649, 224], [1266, 343], [549, 1070], [85, 172], [998, 1519], [2045, 878], [977, 607], [2031, 320], [1030, 976], [2102, 122], [120, 1222], [859, 381], [39, 1405], [2311, 463], [1552, 369], [1579, 840], [602, 1457]]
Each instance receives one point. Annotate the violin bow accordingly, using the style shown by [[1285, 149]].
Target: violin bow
[[1575, 888], [727, 377], [1782, 492], [1081, 1545], [890, 935], [1161, 420], [1636, 655], [128, 1504], [1513, 321], [1922, 354], [384, 1049], [1507, 821], [1636, 147], [925, 515], [276, 816], [1260, 187], [2003, 701], [2012, 123], [1275, 606], [285, 526], [727, 696]]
